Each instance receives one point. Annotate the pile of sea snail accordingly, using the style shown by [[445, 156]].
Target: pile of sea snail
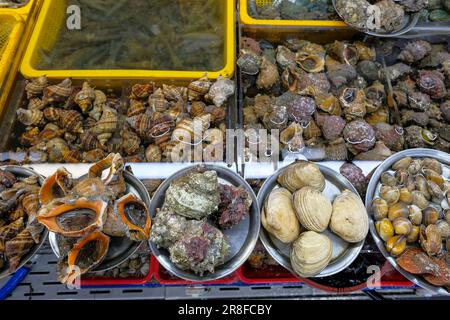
[[413, 217], [335, 98], [69, 124]]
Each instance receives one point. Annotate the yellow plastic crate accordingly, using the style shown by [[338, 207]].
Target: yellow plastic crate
[[25, 10], [52, 18], [11, 29], [246, 19]]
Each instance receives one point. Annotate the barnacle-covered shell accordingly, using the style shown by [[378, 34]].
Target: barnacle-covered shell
[[391, 15], [302, 174], [30, 117], [311, 253], [353, 103], [301, 109], [359, 135], [220, 91], [312, 208], [349, 219], [278, 216], [332, 127], [199, 88], [415, 51], [432, 83], [268, 75], [344, 52]]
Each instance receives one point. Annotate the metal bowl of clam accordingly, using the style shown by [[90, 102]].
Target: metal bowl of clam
[[398, 251], [281, 244], [392, 21], [39, 234], [205, 223], [120, 248]]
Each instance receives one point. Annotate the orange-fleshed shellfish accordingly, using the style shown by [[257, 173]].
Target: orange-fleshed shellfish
[[135, 215], [85, 255], [56, 186], [90, 188], [74, 218]]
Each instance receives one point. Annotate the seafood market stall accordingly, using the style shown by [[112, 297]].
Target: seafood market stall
[[201, 149]]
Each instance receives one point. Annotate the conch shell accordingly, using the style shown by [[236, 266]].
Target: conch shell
[[66, 219], [313, 209], [90, 188], [36, 86], [349, 219], [57, 185], [311, 253], [30, 117], [302, 174], [58, 92], [157, 101], [278, 216], [114, 179], [71, 121], [77, 262]]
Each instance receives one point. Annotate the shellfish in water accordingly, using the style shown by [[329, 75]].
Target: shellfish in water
[[312, 208], [349, 219], [278, 216], [311, 253], [85, 255], [74, 219], [302, 174]]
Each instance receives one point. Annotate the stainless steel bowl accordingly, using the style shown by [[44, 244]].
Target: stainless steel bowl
[[120, 248], [372, 192], [242, 237], [409, 22], [22, 172], [343, 253]]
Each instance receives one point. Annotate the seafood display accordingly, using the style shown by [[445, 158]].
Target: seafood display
[[86, 213], [411, 214], [178, 35], [378, 15], [63, 123], [306, 217], [12, 3], [338, 101], [20, 231], [190, 225], [293, 10]]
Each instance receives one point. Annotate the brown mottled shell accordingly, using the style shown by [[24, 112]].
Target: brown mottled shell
[[58, 92], [336, 151], [30, 203], [344, 52], [197, 108], [51, 113], [72, 156], [312, 130], [85, 97], [174, 93], [142, 91], [131, 142], [35, 104], [89, 141], [107, 125], [199, 88], [153, 153], [18, 213], [55, 148], [157, 101], [353, 102], [94, 155], [90, 187], [218, 113], [29, 138], [268, 74], [70, 137], [49, 133], [141, 124], [36, 86], [136, 107], [379, 116], [162, 125], [30, 117], [71, 121]]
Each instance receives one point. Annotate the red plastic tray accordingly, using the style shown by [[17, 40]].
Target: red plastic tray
[[164, 277], [278, 274], [102, 282]]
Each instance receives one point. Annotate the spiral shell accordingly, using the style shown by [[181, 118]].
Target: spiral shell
[[55, 149], [99, 102], [161, 126], [35, 104], [72, 156], [58, 92], [29, 137], [51, 113], [136, 107], [85, 97], [153, 153], [197, 108], [71, 121], [131, 142], [36, 86], [199, 88], [30, 203], [157, 101], [220, 91], [185, 131], [142, 91], [174, 93], [17, 247], [106, 126], [142, 124], [94, 155], [30, 117]]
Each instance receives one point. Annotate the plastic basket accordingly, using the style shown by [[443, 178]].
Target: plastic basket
[[24, 10], [52, 19], [11, 28], [246, 19], [165, 278]]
